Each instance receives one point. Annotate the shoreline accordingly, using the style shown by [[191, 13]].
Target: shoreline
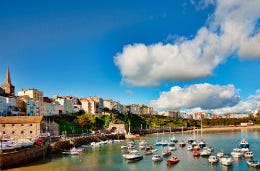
[[225, 128]]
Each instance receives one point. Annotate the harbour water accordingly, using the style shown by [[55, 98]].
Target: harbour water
[[109, 156]]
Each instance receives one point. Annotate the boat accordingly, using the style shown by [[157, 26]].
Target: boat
[[205, 152], [213, 159], [124, 146], [182, 144], [189, 147], [253, 163], [173, 139], [226, 160], [73, 151], [157, 158], [196, 152], [244, 143], [202, 144], [171, 146], [237, 153], [190, 140], [220, 154], [248, 154], [133, 155], [166, 153], [148, 152], [173, 160]]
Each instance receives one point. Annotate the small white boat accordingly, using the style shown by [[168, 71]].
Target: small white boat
[[213, 159], [220, 154], [189, 147], [226, 160], [253, 163], [124, 147], [205, 152], [73, 151], [149, 152], [171, 146], [157, 158], [133, 155], [248, 154], [237, 153]]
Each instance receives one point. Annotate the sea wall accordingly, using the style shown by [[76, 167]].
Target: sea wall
[[23, 156]]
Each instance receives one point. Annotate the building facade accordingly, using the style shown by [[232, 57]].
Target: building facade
[[20, 127]]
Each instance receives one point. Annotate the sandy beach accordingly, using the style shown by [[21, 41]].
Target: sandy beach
[[226, 128]]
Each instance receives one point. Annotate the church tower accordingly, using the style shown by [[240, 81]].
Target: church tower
[[7, 86]]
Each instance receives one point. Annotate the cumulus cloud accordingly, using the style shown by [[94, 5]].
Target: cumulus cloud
[[204, 96], [248, 106], [232, 29]]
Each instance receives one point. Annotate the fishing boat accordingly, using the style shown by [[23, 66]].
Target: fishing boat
[[196, 152], [213, 159], [244, 145], [237, 153], [253, 163], [157, 158], [133, 155], [226, 160], [248, 154], [173, 160]]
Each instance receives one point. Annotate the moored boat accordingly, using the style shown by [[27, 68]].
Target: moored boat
[[189, 147], [157, 158], [248, 154], [166, 153], [133, 155], [237, 153], [226, 160], [202, 144], [173, 160], [213, 159], [205, 152], [253, 163]]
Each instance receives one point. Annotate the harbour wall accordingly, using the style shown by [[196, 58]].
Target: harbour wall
[[23, 156]]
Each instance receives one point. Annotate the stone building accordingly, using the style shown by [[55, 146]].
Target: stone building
[[18, 127], [7, 88]]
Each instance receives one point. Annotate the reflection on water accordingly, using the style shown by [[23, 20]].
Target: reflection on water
[[109, 157]]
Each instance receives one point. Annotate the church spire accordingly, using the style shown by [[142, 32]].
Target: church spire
[[7, 77]]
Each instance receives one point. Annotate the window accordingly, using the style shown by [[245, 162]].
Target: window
[[21, 124], [31, 132], [3, 125], [30, 124], [21, 132], [12, 132], [12, 124], [3, 132]]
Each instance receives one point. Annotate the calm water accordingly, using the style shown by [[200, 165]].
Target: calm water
[[109, 157]]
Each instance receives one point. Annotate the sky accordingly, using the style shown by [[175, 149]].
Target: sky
[[189, 55]]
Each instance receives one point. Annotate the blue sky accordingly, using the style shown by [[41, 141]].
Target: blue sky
[[135, 51]]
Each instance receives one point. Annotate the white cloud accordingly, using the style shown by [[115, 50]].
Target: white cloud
[[232, 29], [249, 105], [204, 96]]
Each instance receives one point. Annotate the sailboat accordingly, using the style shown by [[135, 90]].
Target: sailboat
[[182, 143]]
